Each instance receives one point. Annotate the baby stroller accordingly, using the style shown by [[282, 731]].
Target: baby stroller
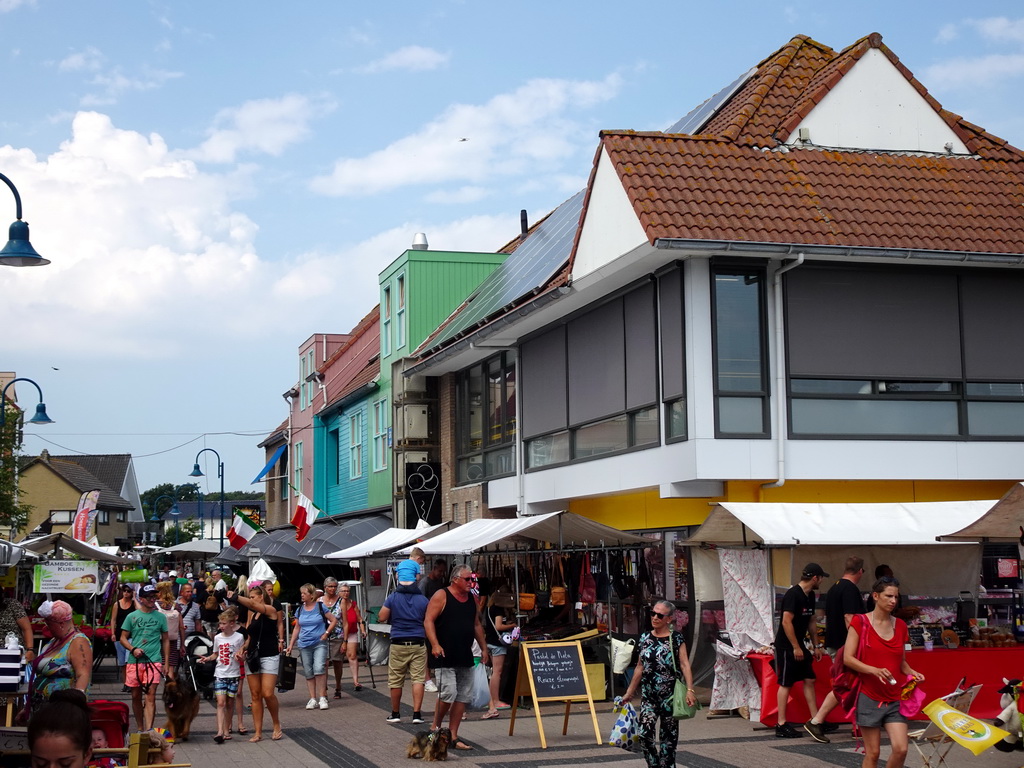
[[112, 718], [195, 671]]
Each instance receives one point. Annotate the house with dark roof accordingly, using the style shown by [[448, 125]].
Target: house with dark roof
[[799, 292], [52, 485]]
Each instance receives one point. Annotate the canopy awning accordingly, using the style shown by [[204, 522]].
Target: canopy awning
[[44, 545], [270, 464], [10, 554], [1001, 522], [562, 529], [795, 524], [279, 546], [328, 537], [386, 542], [198, 547]]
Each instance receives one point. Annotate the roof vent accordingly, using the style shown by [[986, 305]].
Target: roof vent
[[524, 224], [419, 242]]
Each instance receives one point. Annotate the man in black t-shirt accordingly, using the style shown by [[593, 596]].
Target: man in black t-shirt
[[792, 657], [842, 603]]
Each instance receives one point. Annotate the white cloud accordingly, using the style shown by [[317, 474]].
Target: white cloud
[[264, 125], [89, 59], [1000, 29], [412, 58], [458, 196], [6, 6], [975, 72], [947, 33], [511, 134], [113, 84]]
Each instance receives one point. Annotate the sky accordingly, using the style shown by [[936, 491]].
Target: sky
[[216, 182]]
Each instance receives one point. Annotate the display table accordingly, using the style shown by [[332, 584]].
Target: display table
[[942, 670]]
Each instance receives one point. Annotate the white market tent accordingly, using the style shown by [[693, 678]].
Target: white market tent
[[1001, 522], [901, 534], [386, 542], [197, 547], [44, 545], [564, 530]]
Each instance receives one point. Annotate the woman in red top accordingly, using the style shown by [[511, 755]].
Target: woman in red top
[[882, 665], [354, 627]]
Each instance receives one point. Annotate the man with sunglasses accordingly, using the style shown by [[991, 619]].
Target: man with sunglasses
[[144, 635], [450, 625], [792, 658]]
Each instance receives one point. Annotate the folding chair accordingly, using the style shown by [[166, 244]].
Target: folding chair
[[931, 743]]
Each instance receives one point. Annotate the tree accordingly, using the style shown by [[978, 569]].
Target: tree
[[14, 512], [184, 531], [184, 492]]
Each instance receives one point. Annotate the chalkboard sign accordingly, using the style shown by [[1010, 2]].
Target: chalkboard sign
[[557, 671], [916, 632]]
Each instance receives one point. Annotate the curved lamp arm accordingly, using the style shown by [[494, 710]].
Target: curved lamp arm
[[40, 416], [19, 251]]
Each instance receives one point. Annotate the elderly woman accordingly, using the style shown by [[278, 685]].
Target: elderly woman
[[663, 658], [337, 642], [64, 662]]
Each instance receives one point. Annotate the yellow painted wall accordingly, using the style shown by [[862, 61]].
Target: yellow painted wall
[[45, 490], [646, 509]]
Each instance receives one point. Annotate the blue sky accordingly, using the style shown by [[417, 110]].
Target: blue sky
[[215, 182]]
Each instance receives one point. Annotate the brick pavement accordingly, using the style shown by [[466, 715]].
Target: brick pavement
[[353, 734]]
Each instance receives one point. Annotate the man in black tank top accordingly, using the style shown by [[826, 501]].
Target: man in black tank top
[[451, 624]]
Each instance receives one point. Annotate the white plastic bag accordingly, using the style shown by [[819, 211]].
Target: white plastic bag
[[626, 731], [481, 690]]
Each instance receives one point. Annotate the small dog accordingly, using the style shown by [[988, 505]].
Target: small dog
[[430, 745], [182, 704]]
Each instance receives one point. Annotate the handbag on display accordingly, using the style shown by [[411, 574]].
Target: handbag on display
[[543, 585], [681, 710], [527, 601], [588, 587], [559, 593]]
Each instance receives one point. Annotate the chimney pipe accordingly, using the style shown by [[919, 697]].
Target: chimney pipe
[[419, 242], [524, 224]]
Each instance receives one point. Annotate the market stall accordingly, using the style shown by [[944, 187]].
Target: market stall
[[783, 537]]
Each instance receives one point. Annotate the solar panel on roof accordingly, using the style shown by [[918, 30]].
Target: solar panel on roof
[[698, 117], [528, 268]]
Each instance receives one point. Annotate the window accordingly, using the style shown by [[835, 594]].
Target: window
[[486, 420], [380, 435], [355, 446], [297, 466], [385, 322], [333, 457], [303, 384], [673, 358], [282, 476], [103, 517], [400, 313], [741, 386], [120, 517], [62, 516]]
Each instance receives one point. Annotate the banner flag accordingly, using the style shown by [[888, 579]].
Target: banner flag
[[244, 527], [305, 514], [84, 523], [965, 730]]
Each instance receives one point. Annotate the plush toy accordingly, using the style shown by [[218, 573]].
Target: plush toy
[[1010, 717]]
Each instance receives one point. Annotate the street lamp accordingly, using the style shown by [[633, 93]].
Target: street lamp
[[40, 416], [197, 472], [19, 251], [173, 511]]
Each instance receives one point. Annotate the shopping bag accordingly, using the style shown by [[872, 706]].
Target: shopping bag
[[626, 731], [622, 654], [481, 688], [287, 668], [680, 709]]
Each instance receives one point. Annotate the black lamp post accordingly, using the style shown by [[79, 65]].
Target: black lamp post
[[19, 251], [197, 472]]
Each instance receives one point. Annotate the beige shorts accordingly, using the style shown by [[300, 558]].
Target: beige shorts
[[407, 661], [336, 649]]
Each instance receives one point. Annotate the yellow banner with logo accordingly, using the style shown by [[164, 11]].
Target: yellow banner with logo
[[972, 733]]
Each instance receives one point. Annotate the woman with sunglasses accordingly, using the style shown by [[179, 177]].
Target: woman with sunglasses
[[881, 662], [655, 675]]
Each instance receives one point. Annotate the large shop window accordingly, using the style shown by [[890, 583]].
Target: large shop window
[[486, 423], [741, 382], [901, 353], [673, 359], [591, 386]]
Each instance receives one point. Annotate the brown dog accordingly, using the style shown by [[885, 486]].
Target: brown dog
[[182, 704], [430, 745]]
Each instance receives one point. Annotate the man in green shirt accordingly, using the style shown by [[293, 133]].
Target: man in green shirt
[[144, 634]]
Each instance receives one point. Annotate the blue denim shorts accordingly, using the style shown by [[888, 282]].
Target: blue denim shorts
[[225, 686], [314, 660]]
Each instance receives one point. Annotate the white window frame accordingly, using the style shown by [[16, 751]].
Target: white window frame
[[297, 451], [355, 446], [380, 435], [385, 323], [400, 312]]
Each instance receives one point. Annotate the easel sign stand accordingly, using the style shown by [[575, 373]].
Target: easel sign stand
[[553, 671]]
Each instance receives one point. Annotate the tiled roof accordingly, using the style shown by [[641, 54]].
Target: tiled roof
[[109, 469], [370, 372], [707, 189], [81, 479]]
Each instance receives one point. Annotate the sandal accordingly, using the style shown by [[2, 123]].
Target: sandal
[[460, 744], [337, 693], [358, 688], [490, 715], [242, 730]]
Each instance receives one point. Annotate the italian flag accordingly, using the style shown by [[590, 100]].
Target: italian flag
[[305, 514], [243, 529]]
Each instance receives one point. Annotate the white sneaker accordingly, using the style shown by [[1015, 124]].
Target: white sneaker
[[323, 702], [311, 704], [430, 686]]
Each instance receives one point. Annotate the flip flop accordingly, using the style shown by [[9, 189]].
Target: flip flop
[[460, 744], [277, 736], [219, 739], [228, 737], [503, 706], [490, 715], [242, 731]]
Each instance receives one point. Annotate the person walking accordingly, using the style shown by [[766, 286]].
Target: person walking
[[354, 628], [227, 652], [189, 610], [496, 622], [451, 624], [313, 625], [663, 658], [145, 636], [175, 626], [842, 603], [883, 669], [265, 635], [124, 605], [792, 658], [405, 609], [337, 642]]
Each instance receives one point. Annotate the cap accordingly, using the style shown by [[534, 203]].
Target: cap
[[173, 573], [813, 569], [407, 570], [148, 590]]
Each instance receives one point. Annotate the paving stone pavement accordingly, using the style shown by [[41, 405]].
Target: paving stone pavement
[[353, 734]]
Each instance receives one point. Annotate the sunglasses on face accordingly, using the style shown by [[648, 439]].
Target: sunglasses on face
[[654, 614], [468, 578]]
